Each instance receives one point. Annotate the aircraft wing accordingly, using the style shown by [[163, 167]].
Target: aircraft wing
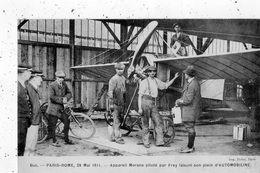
[[237, 66], [103, 72], [240, 30], [99, 72]]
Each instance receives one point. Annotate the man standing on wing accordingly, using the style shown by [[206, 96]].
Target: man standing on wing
[[148, 91], [190, 104], [182, 39]]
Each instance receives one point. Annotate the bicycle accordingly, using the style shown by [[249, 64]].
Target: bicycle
[[81, 125], [131, 121]]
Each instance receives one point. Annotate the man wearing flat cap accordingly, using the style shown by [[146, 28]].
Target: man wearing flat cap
[[190, 104], [24, 106], [148, 91], [180, 40], [32, 134], [116, 96], [59, 94]]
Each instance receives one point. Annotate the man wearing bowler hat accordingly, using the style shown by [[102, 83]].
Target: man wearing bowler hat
[[180, 38], [32, 134], [59, 94], [148, 91], [190, 104], [24, 106]]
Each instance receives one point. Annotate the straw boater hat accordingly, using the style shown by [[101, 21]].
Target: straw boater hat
[[23, 66], [37, 73]]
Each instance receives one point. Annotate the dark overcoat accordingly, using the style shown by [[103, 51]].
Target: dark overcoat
[[191, 96], [24, 110], [183, 39], [56, 95]]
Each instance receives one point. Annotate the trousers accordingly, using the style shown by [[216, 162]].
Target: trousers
[[31, 140], [23, 124], [53, 121], [150, 111], [190, 127], [115, 133]]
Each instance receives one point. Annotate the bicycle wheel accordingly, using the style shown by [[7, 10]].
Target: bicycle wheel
[[132, 123], [168, 130], [43, 130], [83, 126]]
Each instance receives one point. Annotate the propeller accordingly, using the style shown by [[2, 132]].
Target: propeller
[[144, 38]]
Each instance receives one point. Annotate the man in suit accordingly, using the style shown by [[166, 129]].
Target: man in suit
[[59, 94], [190, 104], [24, 106], [32, 134]]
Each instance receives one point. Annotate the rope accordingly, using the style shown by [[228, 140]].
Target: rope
[[157, 38], [106, 52]]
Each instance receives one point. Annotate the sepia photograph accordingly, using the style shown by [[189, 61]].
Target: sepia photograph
[[145, 93]]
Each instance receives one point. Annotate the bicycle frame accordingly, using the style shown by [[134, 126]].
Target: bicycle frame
[[72, 115], [83, 123], [130, 127]]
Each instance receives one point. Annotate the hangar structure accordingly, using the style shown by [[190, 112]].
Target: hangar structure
[[59, 44]]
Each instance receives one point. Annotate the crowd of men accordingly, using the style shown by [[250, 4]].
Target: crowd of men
[[190, 102], [29, 113]]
